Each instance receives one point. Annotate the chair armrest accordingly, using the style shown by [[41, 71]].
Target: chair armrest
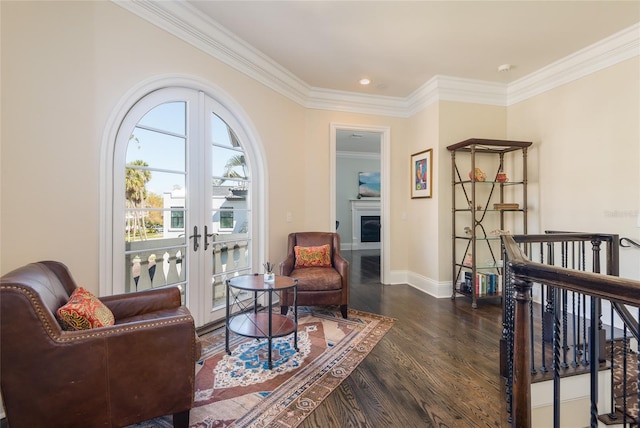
[[135, 304], [341, 265], [286, 266], [164, 318]]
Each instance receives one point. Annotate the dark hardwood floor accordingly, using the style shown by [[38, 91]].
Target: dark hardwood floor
[[437, 367]]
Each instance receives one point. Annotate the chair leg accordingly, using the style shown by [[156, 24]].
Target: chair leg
[[284, 310], [343, 309], [181, 419]]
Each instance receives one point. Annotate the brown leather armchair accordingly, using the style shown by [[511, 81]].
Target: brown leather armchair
[[317, 285], [138, 369]]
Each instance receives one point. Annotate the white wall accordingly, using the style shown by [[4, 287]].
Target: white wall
[[585, 169]]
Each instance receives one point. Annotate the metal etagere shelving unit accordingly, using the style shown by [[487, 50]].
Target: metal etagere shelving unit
[[485, 202]]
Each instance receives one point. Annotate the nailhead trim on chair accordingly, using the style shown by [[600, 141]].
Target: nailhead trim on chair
[[79, 335]]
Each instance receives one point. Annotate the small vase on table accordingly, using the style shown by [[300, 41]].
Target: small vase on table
[[269, 276]]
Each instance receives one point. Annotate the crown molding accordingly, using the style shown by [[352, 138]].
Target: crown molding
[[188, 24], [357, 155], [353, 102], [446, 88], [619, 47]]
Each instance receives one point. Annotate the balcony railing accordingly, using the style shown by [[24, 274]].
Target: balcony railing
[[154, 263], [159, 263], [561, 271]]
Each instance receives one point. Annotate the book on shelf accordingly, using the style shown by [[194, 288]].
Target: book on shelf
[[468, 282], [506, 206], [483, 284]]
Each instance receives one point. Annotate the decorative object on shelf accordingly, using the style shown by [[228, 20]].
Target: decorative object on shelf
[[506, 206], [467, 231], [421, 174], [494, 263], [501, 177], [269, 276], [499, 232], [479, 175], [468, 260], [368, 185]]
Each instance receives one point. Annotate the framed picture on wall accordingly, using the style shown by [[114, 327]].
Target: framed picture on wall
[[421, 174], [369, 184]]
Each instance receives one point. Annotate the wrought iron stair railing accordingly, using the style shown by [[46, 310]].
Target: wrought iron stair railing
[[566, 332]]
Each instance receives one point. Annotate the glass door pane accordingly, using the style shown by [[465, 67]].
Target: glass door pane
[[156, 200], [229, 218]]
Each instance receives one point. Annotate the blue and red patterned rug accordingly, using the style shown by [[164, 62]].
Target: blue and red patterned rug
[[239, 390]]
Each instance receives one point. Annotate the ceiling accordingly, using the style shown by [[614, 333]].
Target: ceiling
[[358, 141], [400, 45]]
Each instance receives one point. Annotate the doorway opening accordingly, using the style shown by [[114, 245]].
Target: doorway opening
[[360, 171]]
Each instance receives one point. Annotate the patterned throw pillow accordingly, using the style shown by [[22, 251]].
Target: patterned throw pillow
[[84, 311], [312, 256]]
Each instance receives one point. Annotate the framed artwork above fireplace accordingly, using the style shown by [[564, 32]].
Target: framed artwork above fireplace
[[369, 184]]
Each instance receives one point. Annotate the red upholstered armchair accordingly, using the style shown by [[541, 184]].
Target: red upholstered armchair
[[317, 285], [140, 368]]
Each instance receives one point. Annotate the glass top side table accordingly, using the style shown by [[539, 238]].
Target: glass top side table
[[261, 324]]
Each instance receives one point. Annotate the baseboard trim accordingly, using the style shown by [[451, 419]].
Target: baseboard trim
[[438, 289]]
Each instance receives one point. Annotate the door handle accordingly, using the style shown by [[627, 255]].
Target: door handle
[[207, 235], [195, 237]]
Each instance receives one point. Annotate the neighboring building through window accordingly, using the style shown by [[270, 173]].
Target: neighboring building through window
[[177, 218], [226, 219]]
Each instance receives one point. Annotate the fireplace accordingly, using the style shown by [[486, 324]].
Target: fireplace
[[365, 224], [370, 228]]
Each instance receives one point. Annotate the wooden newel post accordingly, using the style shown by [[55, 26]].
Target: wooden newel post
[[521, 413]]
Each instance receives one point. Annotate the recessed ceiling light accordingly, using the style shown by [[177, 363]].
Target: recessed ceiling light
[[365, 81]]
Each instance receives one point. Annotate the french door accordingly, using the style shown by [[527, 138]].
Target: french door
[[182, 199]]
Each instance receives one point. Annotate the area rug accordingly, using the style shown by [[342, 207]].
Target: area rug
[[239, 390], [625, 403]]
